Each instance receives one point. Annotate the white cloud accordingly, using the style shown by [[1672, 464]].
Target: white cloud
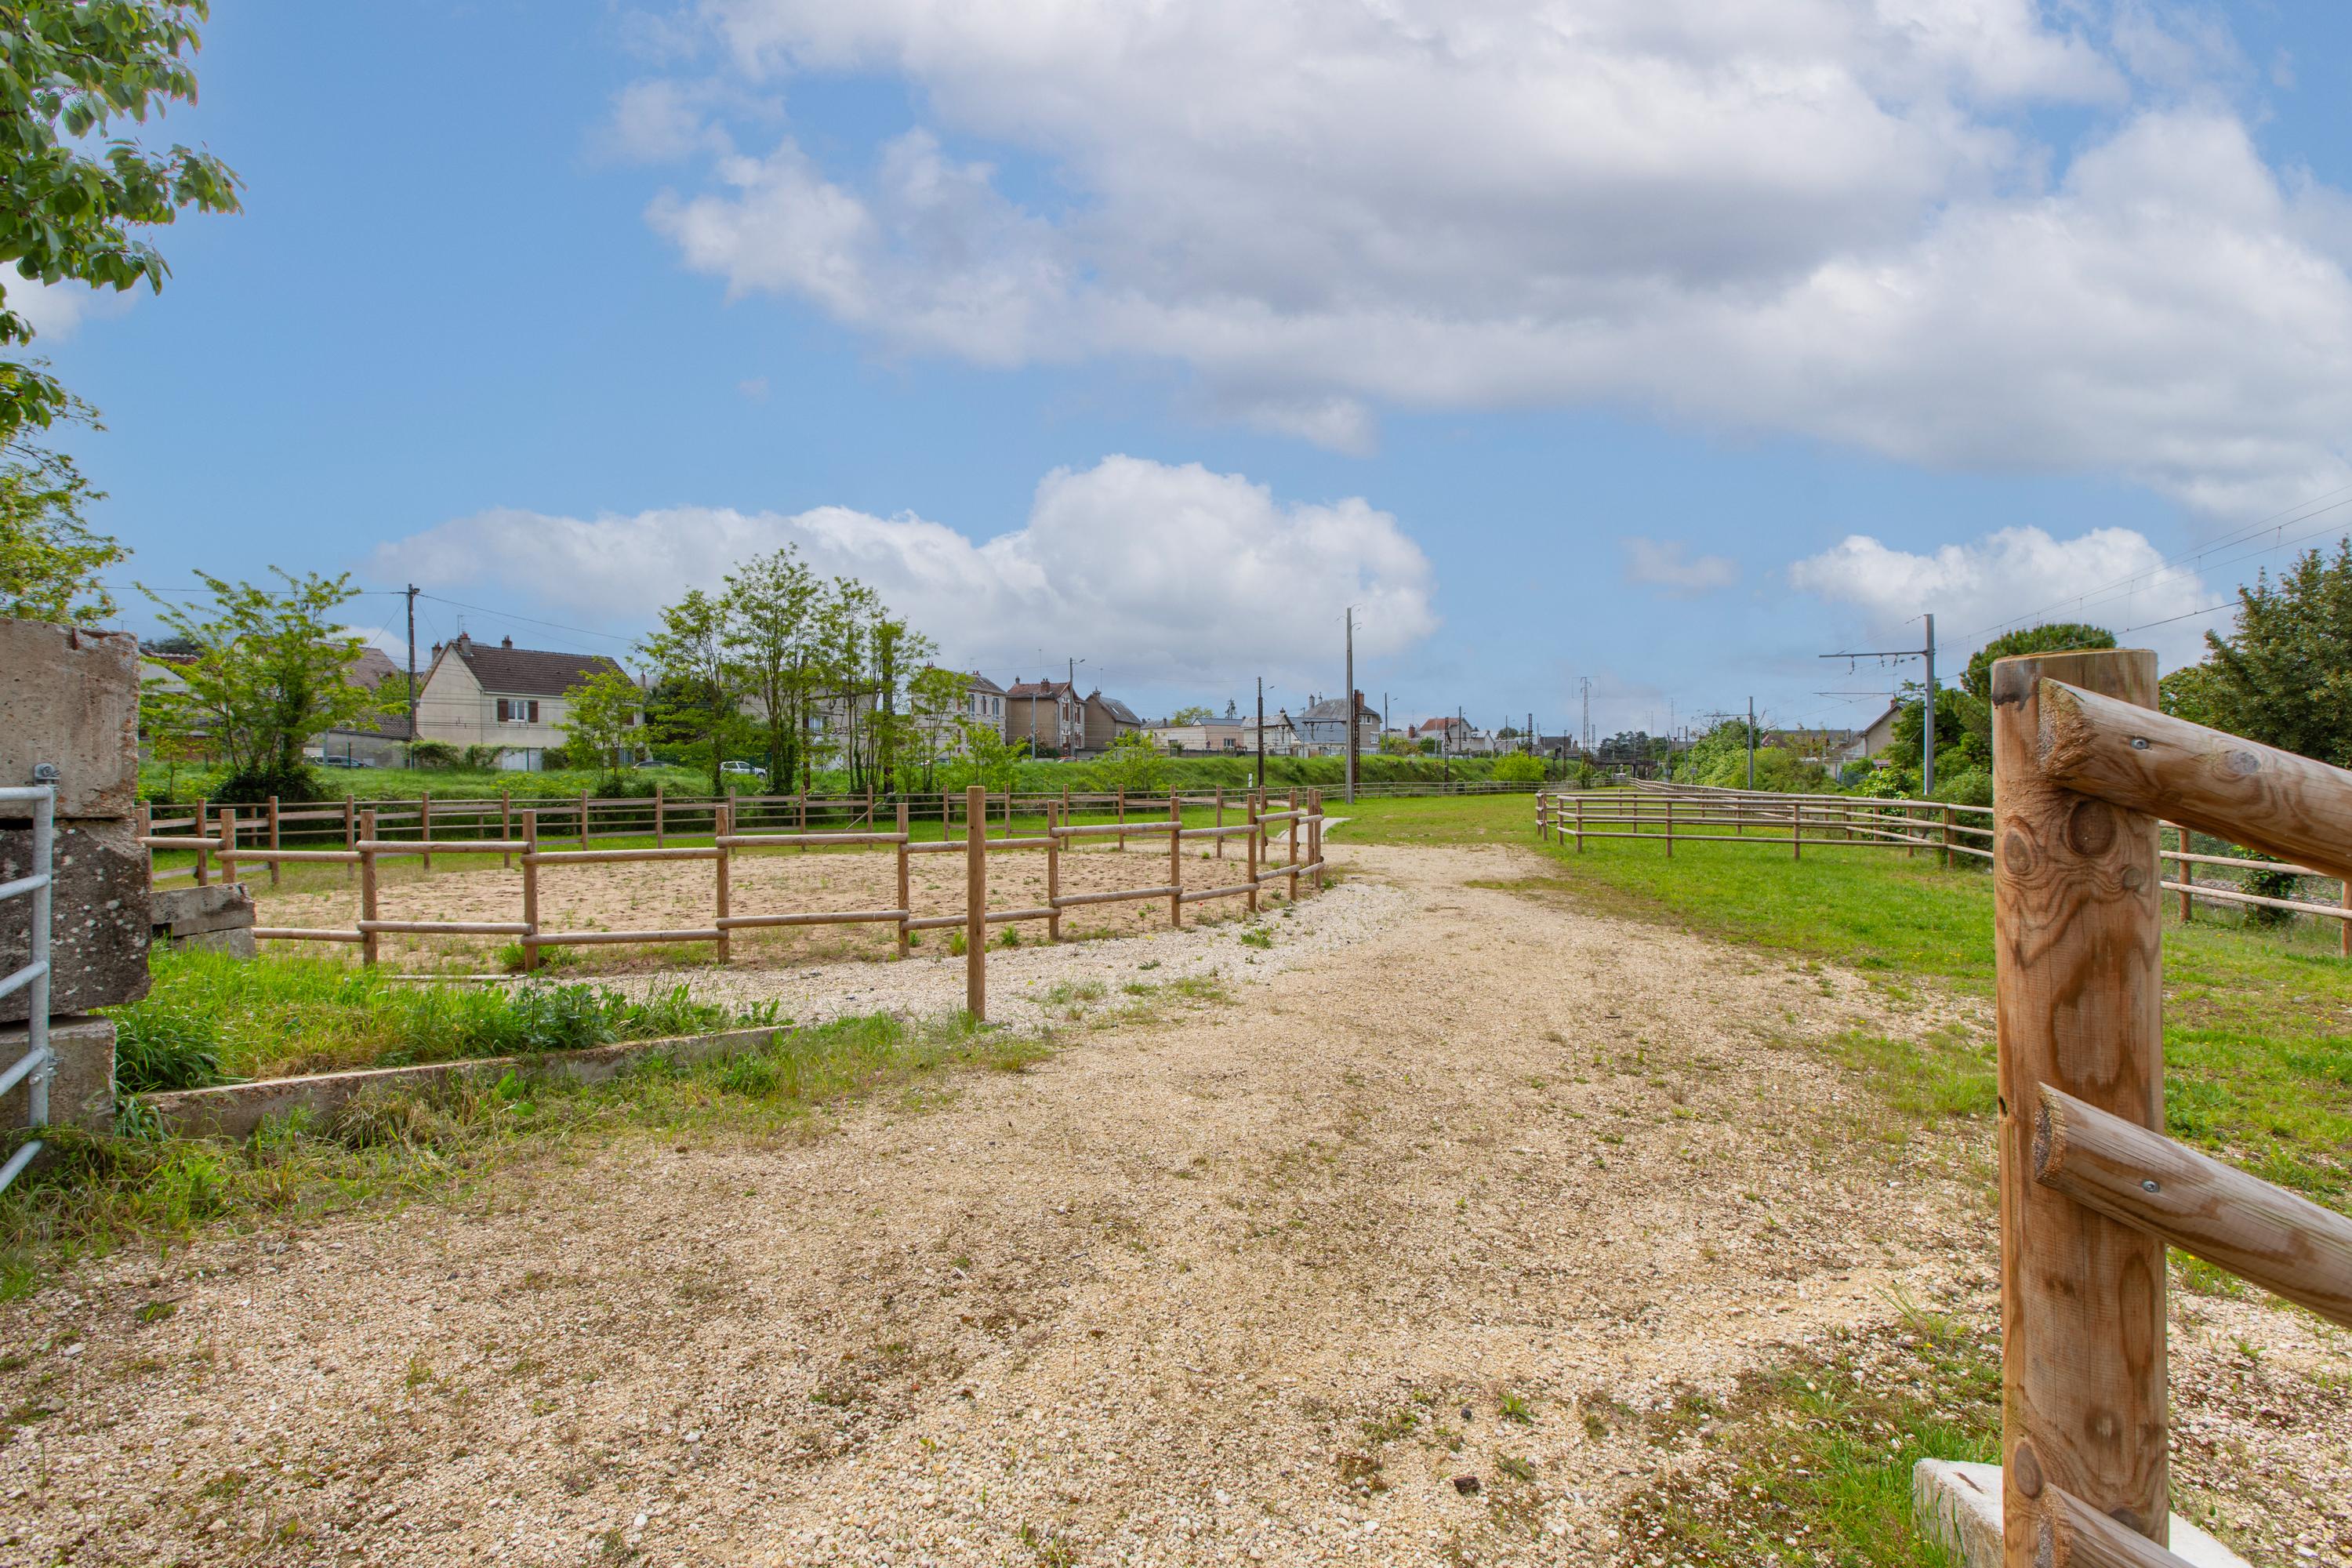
[[1154, 572], [2110, 576], [1826, 218], [57, 309], [1668, 563]]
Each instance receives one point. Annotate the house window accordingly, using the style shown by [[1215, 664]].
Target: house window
[[518, 711]]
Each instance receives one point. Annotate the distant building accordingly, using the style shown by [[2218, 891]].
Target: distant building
[[380, 742], [983, 703], [1206, 737], [1106, 720], [504, 696], [1322, 728], [1048, 714], [1876, 736]]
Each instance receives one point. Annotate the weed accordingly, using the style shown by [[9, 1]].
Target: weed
[[1258, 937], [1513, 1407]]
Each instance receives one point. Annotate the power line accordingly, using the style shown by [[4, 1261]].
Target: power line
[[509, 615]]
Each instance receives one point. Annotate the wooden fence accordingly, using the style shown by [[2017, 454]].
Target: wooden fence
[[2092, 1189], [366, 847], [1698, 814]]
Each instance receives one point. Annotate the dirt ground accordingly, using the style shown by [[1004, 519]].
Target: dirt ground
[[667, 895], [1478, 1195]]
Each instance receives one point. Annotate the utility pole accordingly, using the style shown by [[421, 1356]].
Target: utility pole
[[1261, 733], [1585, 734], [1353, 741], [412, 678], [1751, 743], [1062, 740], [1927, 715]]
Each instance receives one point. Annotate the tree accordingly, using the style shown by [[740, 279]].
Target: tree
[[49, 558], [2057, 637], [699, 698], [2284, 677], [1957, 746], [74, 195], [935, 699], [600, 721], [1519, 767], [1133, 764], [273, 669], [989, 758], [1192, 715], [766, 631]]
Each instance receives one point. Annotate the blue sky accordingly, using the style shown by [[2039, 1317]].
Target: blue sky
[[1662, 350]]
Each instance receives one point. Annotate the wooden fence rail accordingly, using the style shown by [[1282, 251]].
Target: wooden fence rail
[[366, 848], [1667, 813]]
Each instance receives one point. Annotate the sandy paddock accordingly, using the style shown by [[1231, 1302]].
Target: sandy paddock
[[677, 894]]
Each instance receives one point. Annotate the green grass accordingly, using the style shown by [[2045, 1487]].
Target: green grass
[[1810, 1461], [209, 1018], [104, 1194]]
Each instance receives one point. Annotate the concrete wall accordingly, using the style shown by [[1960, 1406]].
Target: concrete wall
[[71, 697]]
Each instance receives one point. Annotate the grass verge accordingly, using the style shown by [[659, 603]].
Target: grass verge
[[208, 1018], [104, 1194]]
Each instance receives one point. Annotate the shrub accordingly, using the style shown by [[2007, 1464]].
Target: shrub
[[1519, 767], [1969, 786]]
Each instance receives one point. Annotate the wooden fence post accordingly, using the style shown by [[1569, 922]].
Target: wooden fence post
[[1221, 821], [1175, 862], [1947, 856], [531, 887], [1123, 816], [1670, 827], [1315, 835], [273, 838], [976, 902], [506, 828], [1250, 839], [228, 827], [2078, 979], [1580, 825], [906, 881], [1796, 830], [1293, 883], [2344, 927], [368, 949], [720, 826], [583, 819], [350, 834], [1054, 819], [2188, 874], [661, 816], [425, 824], [204, 855]]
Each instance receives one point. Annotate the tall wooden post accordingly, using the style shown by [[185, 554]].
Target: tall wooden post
[[425, 824], [506, 828], [273, 838], [367, 945], [1175, 862], [975, 901], [531, 887], [583, 819], [1054, 819], [661, 816], [720, 826], [2078, 974], [906, 881]]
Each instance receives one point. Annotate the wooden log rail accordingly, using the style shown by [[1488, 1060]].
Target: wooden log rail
[[367, 848], [2092, 1189]]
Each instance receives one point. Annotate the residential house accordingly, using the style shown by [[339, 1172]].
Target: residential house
[[1106, 720], [379, 742], [1876, 736], [1454, 737], [1280, 738], [983, 703], [1322, 728], [1812, 744], [1048, 714], [512, 697], [1209, 737]]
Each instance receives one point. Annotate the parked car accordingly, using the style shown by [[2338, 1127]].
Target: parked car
[[341, 762], [753, 769]]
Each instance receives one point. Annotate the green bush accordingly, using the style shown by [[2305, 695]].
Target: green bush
[[170, 1043], [1519, 767]]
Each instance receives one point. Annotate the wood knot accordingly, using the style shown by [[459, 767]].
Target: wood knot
[[2025, 1464], [2135, 877], [2017, 855], [2091, 828], [2243, 762]]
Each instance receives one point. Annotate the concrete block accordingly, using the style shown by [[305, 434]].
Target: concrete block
[[237, 942], [1957, 1506], [99, 930], [81, 1094], [71, 697], [171, 906]]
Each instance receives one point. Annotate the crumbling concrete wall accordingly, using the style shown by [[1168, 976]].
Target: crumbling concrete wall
[[218, 917], [69, 697]]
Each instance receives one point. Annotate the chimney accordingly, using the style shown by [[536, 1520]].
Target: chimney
[[506, 642]]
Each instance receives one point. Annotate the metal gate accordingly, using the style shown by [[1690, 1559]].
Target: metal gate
[[35, 1068]]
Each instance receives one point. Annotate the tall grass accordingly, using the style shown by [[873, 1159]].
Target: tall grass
[[209, 1018]]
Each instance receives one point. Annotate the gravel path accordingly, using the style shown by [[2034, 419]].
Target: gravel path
[[1473, 1185]]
